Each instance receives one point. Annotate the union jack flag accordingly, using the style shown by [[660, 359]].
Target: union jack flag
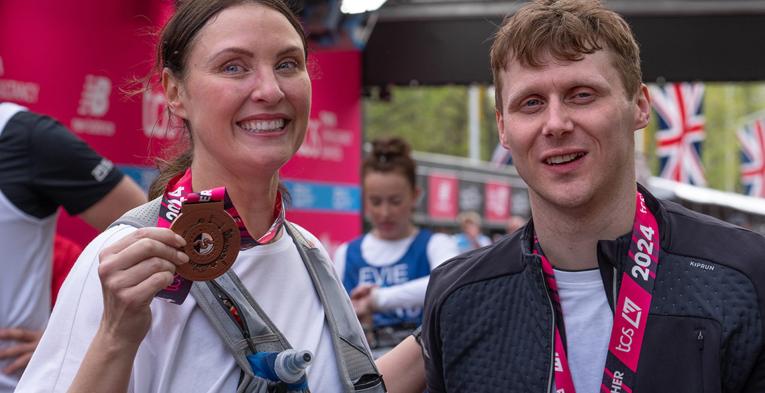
[[679, 107], [752, 138]]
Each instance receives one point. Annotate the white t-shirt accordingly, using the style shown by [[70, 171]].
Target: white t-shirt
[[182, 351], [588, 320], [43, 166], [378, 252]]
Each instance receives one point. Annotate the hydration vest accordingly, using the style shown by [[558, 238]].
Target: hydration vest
[[356, 367]]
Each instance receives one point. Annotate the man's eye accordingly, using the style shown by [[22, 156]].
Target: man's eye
[[582, 96], [287, 65], [532, 102]]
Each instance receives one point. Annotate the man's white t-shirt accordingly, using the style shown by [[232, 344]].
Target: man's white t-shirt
[[43, 167], [379, 252], [588, 320], [183, 352]]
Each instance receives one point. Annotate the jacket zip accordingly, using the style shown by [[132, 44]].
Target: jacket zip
[[700, 342], [614, 290], [552, 335]]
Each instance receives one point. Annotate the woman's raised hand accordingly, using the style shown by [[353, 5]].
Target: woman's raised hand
[[132, 271]]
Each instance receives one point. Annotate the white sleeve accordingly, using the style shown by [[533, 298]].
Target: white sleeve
[[72, 324], [339, 260], [412, 293], [441, 248]]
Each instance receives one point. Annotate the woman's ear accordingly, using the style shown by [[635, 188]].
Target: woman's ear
[[173, 92]]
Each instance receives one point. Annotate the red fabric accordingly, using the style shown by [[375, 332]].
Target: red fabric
[[65, 253]]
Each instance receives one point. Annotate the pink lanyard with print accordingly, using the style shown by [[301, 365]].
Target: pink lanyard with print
[[630, 313], [178, 193]]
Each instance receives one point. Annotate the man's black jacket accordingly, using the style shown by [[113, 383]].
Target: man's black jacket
[[488, 320]]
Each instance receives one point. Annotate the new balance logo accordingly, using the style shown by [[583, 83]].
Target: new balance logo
[[102, 170], [94, 100]]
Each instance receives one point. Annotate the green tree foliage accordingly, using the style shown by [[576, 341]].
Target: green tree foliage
[[432, 119]]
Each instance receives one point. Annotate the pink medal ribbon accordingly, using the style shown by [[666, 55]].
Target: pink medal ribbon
[[630, 314], [179, 193]]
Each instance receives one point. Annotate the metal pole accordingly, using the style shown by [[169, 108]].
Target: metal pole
[[474, 122]]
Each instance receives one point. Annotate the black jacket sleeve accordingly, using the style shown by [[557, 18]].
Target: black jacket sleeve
[[431, 345]]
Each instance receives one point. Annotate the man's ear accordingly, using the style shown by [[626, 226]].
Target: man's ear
[[172, 87], [643, 112], [501, 129]]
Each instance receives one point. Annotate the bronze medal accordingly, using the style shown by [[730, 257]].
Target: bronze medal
[[212, 240]]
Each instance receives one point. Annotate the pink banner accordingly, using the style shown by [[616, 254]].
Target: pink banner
[[332, 148], [497, 206], [327, 167], [72, 61], [442, 196]]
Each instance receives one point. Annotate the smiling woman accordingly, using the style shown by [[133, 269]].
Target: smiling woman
[[234, 73]]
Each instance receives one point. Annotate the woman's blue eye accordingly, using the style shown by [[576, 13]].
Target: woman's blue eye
[[232, 68]]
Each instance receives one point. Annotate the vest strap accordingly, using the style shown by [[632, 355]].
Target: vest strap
[[355, 364]]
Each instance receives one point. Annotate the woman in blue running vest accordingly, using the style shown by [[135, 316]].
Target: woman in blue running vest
[[386, 271]]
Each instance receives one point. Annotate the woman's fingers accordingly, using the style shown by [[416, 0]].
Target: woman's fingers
[[362, 290], [137, 273], [132, 271], [18, 334], [19, 353], [148, 240], [140, 295], [143, 244], [19, 364], [150, 286]]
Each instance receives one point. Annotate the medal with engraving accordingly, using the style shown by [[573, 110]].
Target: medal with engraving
[[204, 219], [212, 240]]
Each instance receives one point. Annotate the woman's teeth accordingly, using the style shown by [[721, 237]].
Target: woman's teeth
[[262, 125]]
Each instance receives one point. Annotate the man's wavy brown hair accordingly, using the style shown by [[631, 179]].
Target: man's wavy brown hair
[[568, 30]]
